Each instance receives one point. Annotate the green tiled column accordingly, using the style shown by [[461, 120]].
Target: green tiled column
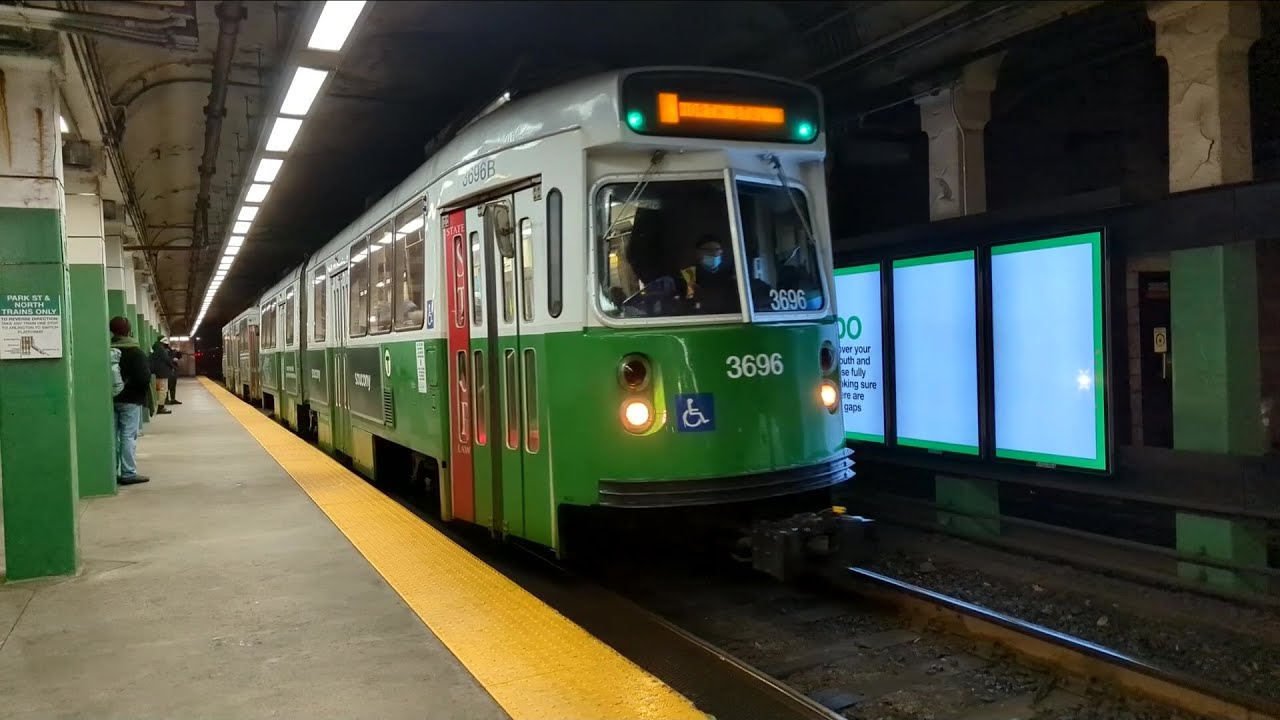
[[37, 403], [91, 368]]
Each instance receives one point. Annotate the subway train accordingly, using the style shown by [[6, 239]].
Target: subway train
[[612, 294]]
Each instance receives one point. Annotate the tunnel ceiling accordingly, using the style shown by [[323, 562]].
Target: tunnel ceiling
[[412, 69]]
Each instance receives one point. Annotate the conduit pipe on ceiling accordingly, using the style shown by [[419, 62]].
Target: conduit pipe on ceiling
[[230, 13], [162, 33]]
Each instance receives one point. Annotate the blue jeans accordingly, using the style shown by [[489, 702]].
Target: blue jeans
[[128, 418]]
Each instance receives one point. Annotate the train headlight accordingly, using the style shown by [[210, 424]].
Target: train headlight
[[829, 394], [634, 372], [637, 416]]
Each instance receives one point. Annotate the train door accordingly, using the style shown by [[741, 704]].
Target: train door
[[339, 412], [493, 433]]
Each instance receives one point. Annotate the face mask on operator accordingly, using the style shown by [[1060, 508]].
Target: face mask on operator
[[711, 255]]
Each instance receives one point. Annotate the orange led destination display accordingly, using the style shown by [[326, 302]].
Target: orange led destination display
[[671, 110]]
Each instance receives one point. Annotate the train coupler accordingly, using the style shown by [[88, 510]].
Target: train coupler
[[800, 544]]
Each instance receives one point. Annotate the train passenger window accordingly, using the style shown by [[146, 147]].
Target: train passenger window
[[482, 400], [665, 250], [290, 313], [526, 266], [785, 274], [319, 299], [381, 256], [532, 431], [555, 253], [508, 283], [268, 322], [511, 399], [358, 289], [477, 282], [410, 267]]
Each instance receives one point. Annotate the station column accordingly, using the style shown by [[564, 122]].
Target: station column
[[1217, 375], [37, 424], [91, 369], [1214, 290], [955, 119], [115, 272]]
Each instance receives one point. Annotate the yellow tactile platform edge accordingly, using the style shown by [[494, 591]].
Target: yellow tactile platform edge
[[535, 662]]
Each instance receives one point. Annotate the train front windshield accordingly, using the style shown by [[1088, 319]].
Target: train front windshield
[[665, 250]]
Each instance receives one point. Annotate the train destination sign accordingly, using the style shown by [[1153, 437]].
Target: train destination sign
[[861, 352], [726, 106]]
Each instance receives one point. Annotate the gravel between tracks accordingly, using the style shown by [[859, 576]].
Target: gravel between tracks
[[1228, 644], [858, 660]]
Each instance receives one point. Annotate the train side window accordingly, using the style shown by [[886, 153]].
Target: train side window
[[319, 299], [508, 283], [526, 269], [555, 253], [381, 257], [410, 268], [290, 314], [358, 290], [477, 281]]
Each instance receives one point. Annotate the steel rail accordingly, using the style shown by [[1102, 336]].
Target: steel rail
[[1045, 647]]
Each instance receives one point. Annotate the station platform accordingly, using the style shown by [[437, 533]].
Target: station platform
[[255, 577]]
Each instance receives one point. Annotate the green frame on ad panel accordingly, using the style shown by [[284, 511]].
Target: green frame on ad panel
[[862, 270], [1100, 459], [935, 445]]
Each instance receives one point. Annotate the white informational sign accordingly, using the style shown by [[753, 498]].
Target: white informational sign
[[861, 352], [30, 327], [1047, 324], [420, 348], [935, 352]]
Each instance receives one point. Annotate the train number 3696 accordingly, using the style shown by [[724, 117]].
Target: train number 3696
[[753, 365]]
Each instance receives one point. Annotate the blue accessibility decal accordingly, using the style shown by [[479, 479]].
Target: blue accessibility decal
[[695, 412]]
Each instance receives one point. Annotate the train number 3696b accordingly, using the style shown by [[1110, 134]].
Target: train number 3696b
[[481, 171], [753, 365]]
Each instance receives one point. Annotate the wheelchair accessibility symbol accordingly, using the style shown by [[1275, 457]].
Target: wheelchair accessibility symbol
[[695, 413]]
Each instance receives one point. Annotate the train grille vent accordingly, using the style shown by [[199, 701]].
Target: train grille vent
[[388, 409]]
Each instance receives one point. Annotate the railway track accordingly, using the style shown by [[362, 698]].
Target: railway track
[[866, 646]]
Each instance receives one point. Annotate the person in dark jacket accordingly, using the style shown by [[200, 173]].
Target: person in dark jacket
[[174, 355], [162, 369], [130, 401]]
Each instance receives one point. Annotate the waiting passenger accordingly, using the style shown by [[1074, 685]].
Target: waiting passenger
[[162, 368], [174, 356], [130, 401]]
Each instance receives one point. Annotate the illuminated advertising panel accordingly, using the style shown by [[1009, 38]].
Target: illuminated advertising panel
[[936, 353], [1046, 304], [861, 352]]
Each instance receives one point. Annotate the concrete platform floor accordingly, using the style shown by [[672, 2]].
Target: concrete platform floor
[[219, 590]]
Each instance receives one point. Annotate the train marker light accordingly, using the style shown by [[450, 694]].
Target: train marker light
[[805, 131], [636, 416], [829, 394], [635, 119], [633, 373]]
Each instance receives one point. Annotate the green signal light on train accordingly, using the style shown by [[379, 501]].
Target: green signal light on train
[[635, 119], [805, 131]]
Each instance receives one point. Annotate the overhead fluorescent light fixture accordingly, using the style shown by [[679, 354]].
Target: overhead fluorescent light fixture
[[302, 91], [235, 241], [240, 228], [62, 125], [268, 168], [334, 25], [282, 134], [248, 213], [257, 193]]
